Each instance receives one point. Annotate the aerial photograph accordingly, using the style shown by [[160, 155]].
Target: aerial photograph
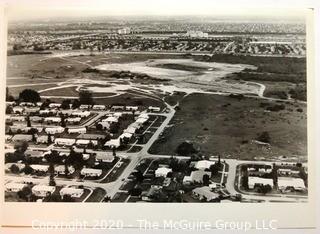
[[156, 109]]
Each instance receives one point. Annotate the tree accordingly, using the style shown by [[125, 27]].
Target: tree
[[25, 193], [49, 139], [214, 169], [264, 137], [21, 146], [186, 149], [28, 121], [14, 169], [85, 97], [9, 98], [63, 122], [135, 191], [76, 104], [45, 104], [65, 105], [9, 110], [67, 198], [205, 179], [27, 169], [52, 182], [29, 95], [139, 176], [264, 189]]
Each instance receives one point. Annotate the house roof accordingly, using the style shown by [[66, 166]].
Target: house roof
[[68, 190], [113, 142], [291, 182], [43, 188], [110, 119], [125, 135], [163, 170], [91, 171], [90, 136], [252, 180], [144, 116], [205, 191], [22, 137], [141, 120], [38, 167], [204, 164], [15, 186]]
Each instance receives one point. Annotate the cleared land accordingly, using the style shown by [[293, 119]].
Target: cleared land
[[226, 126]]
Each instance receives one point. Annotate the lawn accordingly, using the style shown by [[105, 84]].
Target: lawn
[[97, 195]]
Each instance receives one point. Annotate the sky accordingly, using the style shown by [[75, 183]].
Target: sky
[[45, 9]]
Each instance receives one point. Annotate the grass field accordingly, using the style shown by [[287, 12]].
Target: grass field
[[226, 126]]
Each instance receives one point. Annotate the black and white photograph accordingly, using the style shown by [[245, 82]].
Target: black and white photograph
[[127, 105]]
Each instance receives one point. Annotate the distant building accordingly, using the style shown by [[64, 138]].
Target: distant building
[[197, 34], [124, 31], [98, 107]]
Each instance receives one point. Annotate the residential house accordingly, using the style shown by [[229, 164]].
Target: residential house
[[43, 190], [54, 130], [39, 168], [203, 164], [162, 172], [204, 193], [14, 187], [154, 109], [113, 143], [17, 110], [50, 120], [104, 156], [90, 172], [258, 181], [196, 177], [64, 141], [285, 183], [77, 130], [98, 107], [73, 192], [61, 169], [22, 137]]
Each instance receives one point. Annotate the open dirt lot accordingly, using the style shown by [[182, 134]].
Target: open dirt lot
[[226, 126]]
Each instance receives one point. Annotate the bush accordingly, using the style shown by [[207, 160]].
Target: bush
[[264, 137]]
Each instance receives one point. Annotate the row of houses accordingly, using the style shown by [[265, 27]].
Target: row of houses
[[284, 183], [128, 132], [44, 190]]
